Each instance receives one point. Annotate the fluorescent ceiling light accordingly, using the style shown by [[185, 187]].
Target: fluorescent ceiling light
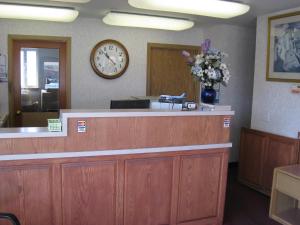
[[212, 8], [73, 1], [29, 12], [147, 21]]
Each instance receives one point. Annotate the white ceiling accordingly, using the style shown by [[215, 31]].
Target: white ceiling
[[98, 8]]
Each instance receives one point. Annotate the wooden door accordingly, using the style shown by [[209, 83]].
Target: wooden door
[[38, 79], [280, 152], [89, 193], [252, 151], [148, 191], [168, 72], [202, 189], [30, 193]]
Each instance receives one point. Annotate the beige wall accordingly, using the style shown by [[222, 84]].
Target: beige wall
[[88, 89], [275, 109], [239, 43]]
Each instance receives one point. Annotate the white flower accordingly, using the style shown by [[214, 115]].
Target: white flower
[[223, 66], [209, 68], [212, 74], [226, 79], [196, 70], [226, 72], [198, 60]]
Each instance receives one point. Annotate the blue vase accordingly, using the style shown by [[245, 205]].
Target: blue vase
[[208, 95]]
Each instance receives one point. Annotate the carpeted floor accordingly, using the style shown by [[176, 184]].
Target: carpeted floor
[[245, 206]]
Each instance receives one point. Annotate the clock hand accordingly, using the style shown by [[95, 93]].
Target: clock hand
[[111, 59], [107, 56]]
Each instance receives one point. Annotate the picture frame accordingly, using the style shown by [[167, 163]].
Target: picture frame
[[3, 70], [283, 52]]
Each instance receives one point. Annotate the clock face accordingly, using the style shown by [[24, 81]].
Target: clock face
[[109, 59]]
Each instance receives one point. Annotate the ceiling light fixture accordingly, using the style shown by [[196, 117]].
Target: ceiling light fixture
[[211, 8], [147, 21], [30, 12]]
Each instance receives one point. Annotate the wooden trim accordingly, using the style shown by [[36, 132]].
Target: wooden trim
[[223, 185], [125, 133], [61, 168], [68, 41], [173, 46], [39, 38], [167, 46], [37, 41], [288, 147], [120, 194], [175, 190], [264, 133], [148, 91], [19, 163]]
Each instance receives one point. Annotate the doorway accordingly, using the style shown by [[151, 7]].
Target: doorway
[[168, 73], [39, 79]]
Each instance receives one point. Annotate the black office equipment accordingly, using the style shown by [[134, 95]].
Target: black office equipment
[[130, 104], [10, 217]]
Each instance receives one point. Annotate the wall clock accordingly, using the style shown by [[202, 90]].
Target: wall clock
[[109, 59]]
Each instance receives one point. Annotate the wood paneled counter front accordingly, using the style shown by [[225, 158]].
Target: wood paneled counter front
[[133, 167]]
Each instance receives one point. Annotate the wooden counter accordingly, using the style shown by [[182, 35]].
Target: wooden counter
[[128, 168]]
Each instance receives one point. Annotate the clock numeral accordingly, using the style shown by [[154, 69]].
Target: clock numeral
[[111, 47], [121, 54], [104, 48], [120, 66], [115, 70]]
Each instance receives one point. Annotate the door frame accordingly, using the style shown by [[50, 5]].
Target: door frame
[[11, 39]]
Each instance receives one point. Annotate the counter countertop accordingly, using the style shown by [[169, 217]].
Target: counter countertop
[[85, 113]]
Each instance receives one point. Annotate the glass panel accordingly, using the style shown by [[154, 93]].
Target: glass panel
[[39, 80]]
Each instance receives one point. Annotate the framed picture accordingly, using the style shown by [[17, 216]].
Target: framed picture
[[3, 73], [283, 56]]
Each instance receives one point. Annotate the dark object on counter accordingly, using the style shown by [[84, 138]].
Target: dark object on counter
[[10, 217], [130, 104], [189, 106]]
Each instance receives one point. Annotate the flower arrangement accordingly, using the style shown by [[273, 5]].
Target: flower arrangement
[[208, 66]]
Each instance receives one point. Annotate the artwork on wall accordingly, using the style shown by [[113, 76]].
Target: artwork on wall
[[51, 74], [3, 71], [283, 56]]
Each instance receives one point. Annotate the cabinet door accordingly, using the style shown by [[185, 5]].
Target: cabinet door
[[280, 152], [252, 150], [29, 193], [89, 193], [202, 189], [148, 191]]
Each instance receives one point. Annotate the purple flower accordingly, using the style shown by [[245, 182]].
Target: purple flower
[[189, 59], [186, 54], [205, 46]]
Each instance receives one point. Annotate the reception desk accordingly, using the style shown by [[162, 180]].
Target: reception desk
[[129, 167]]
